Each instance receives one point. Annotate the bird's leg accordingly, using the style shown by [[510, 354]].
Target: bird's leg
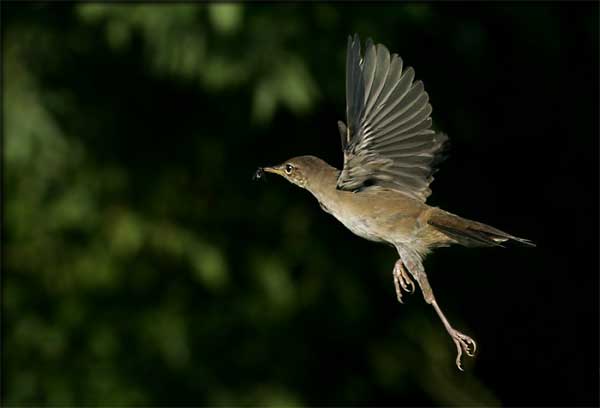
[[463, 342], [402, 280]]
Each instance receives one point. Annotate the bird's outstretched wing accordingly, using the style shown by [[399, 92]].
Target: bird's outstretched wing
[[387, 141]]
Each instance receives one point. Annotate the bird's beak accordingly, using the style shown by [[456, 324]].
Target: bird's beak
[[275, 170]]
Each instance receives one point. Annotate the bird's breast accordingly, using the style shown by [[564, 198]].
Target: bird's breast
[[375, 218]]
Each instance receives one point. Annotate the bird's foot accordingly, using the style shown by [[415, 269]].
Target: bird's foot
[[463, 343], [402, 280]]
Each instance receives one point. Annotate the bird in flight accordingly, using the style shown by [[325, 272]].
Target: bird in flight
[[390, 153]]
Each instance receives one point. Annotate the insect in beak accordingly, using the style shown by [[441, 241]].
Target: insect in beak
[[258, 174]]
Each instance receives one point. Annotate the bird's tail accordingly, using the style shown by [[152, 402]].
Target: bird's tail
[[471, 233]]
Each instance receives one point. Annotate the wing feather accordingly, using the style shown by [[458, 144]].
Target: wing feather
[[388, 142], [379, 80], [391, 81]]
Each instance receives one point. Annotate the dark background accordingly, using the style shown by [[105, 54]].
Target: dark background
[[142, 266]]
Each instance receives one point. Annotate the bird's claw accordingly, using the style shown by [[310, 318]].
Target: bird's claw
[[402, 280], [463, 343]]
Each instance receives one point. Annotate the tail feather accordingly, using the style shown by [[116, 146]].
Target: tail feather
[[472, 233]]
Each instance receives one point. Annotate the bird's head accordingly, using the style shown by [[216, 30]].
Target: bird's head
[[298, 170]]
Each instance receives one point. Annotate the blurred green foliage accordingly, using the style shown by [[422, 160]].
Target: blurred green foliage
[[143, 265]]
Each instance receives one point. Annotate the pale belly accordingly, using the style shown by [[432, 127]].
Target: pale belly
[[400, 228], [376, 222], [361, 228]]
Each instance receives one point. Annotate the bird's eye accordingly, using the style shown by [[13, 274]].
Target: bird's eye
[[289, 168]]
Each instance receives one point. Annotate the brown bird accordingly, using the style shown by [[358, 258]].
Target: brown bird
[[390, 154]]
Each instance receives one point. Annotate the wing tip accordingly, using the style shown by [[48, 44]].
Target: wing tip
[[354, 39]]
